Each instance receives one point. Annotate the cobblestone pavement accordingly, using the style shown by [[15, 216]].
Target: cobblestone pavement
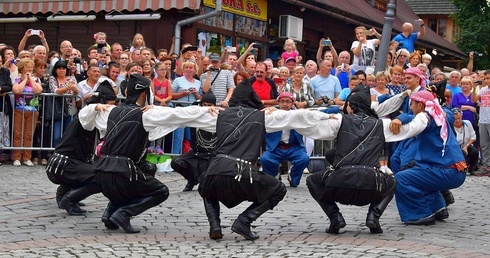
[[31, 225]]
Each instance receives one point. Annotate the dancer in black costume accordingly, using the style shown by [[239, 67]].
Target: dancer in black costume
[[71, 166], [192, 164], [121, 172], [232, 176], [355, 179]]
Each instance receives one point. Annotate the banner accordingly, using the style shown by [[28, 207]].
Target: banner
[[256, 9]]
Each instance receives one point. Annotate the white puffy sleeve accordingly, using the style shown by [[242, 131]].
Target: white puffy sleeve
[[160, 121], [90, 118], [416, 126], [313, 124], [388, 106]]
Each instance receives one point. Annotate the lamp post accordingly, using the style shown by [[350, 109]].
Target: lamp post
[[386, 37]]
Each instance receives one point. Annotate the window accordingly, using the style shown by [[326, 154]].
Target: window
[[439, 26]]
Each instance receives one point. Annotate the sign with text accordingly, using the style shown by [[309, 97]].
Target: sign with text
[[256, 9]]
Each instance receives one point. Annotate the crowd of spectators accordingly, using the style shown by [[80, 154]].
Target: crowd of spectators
[[182, 78]]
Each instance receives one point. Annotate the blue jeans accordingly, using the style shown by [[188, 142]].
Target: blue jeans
[[59, 127]]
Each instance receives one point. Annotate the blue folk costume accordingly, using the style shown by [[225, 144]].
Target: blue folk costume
[[277, 150], [438, 165]]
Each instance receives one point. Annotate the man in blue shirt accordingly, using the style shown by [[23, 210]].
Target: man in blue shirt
[[406, 39]]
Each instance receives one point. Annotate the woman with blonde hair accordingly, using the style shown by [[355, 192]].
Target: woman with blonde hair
[[303, 94], [25, 112]]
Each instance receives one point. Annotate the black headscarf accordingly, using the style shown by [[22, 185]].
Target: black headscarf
[[137, 84], [438, 88], [102, 94], [359, 100], [208, 97], [245, 96]]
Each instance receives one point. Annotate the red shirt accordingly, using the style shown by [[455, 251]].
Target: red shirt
[[263, 89]]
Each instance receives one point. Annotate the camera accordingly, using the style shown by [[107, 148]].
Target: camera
[[476, 53], [325, 100], [212, 69], [479, 82]]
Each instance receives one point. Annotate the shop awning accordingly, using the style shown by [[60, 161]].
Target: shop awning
[[85, 6]]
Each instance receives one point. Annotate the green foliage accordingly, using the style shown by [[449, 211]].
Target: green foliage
[[473, 20]]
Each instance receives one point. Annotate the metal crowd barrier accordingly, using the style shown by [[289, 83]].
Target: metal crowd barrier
[[41, 127]]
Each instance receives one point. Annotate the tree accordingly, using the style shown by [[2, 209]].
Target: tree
[[473, 19]]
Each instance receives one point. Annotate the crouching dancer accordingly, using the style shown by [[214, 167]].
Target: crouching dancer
[[70, 166], [119, 171], [355, 178], [232, 176]]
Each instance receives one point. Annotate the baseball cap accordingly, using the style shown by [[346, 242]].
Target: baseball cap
[[287, 95], [214, 57]]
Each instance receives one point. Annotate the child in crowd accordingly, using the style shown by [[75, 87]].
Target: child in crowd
[[138, 42], [371, 80], [101, 41], [290, 51]]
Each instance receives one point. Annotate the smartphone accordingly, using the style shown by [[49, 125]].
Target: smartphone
[[34, 32], [192, 48], [257, 45], [479, 82], [326, 42], [419, 22], [277, 80], [366, 32]]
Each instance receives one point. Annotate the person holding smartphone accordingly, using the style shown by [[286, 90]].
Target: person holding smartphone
[[364, 49]]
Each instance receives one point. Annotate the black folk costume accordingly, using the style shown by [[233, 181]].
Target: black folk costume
[[192, 164], [71, 166], [232, 176], [355, 178], [125, 178], [121, 172]]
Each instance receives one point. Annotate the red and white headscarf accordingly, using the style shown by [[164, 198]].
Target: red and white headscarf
[[415, 71], [434, 109]]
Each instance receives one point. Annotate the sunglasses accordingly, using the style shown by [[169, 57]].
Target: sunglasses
[[456, 111]]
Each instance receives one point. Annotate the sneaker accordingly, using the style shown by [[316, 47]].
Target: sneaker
[[159, 150], [35, 161], [16, 163], [151, 149], [44, 162], [28, 163]]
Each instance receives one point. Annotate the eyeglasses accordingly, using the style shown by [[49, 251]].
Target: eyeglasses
[[403, 56], [285, 101], [123, 58]]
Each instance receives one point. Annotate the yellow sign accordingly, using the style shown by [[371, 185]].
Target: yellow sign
[[256, 9]]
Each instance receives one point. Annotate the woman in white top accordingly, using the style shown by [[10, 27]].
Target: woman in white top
[[364, 49], [466, 136]]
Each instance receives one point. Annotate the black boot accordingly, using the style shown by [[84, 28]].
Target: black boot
[[123, 214], [212, 211], [189, 186], [375, 212], [69, 202], [448, 197], [60, 192], [106, 216], [243, 223], [336, 220]]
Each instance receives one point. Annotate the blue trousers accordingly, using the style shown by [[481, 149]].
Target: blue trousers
[[58, 128], [296, 155], [418, 191]]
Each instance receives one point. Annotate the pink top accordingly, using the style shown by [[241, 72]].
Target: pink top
[[285, 55], [161, 88]]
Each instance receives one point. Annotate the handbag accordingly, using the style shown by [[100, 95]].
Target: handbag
[[54, 108]]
